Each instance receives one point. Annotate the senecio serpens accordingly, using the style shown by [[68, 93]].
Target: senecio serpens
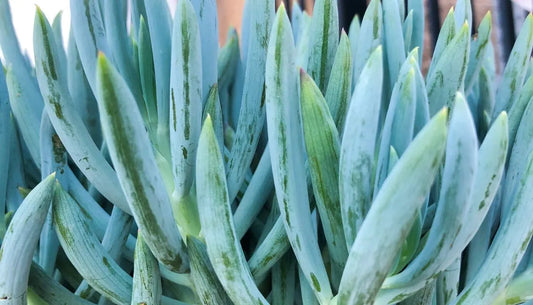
[[292, 165]]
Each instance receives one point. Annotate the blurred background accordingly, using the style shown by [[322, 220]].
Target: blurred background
[[507, 17]]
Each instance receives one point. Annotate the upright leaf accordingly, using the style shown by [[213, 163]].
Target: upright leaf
[[516, 68], [206, 12], [136, 167], [460, 167], [287, 151], [322, 146], [369, 38], [445, 80], [222, 243], [323, 41], [252, 111], [417, 38], [357, 148], [407, 185], [339, 87], [146, 275], [507, 249], [160, 27], [185, 97]]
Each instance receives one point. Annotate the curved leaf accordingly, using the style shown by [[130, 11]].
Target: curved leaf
[[407, 186], [222, 243], [20, 241], [357, 148], [287, 151], [66, 119], [139, 177]]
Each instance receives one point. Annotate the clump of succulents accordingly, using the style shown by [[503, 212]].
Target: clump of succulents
[[295, 164]]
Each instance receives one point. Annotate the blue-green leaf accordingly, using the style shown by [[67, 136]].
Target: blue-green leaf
[[206, 12], [478, 50], [339, 88], [206, 284], [185, 97], [257, 193], [252, 111], [393, 43], [491, 160], [287, 151], [455, 193], [322, 146], [66, 119], [323, 41], [417, 38], [222, 243], [516, 68], [146, 276], [160, 27], [20, 241], [406, 186], [446, 35], [357, 149], [84, 250], [445, 79], [369, 37], [129, 148], [508, 246]]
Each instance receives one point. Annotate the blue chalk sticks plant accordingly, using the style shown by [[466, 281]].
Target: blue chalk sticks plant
[[148, 163]]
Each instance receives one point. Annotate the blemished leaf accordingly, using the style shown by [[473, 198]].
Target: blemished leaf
[[516, 68], [507, 248], [522, 145], [89, 32], [206, 14], [445, 80], [146, 276], [287, 151], [403, 93], [323, 41], [21, 239], [323, 148], [356, 159], [66, 119], [491, 161], [478, 50], [446, 35], [206, 283], [141, 181], [50, 290], [84, 250], [362, 278], [271, 249], [339, 87], [147, 77], [252, 109], [185, 97], [222, 243], [455, 193], [369, 38]]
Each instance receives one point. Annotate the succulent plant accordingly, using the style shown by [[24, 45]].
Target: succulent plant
[[294, 164]]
